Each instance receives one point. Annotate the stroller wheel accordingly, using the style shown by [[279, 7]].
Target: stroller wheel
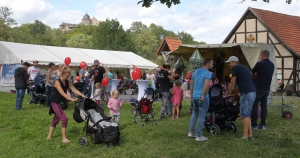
[[29, 101], [142, 124], [231, 127], [155, 123], [83, 141], [287, 114], [38, 103], [207, 126], [214, 130]]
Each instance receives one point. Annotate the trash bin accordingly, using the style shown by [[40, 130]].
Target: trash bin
[[290, 87]]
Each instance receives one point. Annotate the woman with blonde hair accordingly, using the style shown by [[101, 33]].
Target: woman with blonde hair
[[59, 102]]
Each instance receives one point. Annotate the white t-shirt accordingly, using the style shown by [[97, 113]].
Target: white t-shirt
[[33, 71], [97, 91]]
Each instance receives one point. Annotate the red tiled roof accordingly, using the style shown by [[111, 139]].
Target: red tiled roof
[[285, 27], [172, 43]]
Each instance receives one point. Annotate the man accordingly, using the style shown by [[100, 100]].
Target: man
[[97, 75], [33, 71], [188, 78], [82, 75], [263, 71], [21, 76], [242, 76], [88, 78], [198, 94]]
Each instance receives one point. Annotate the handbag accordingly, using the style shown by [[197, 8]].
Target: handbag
[[63, 105]]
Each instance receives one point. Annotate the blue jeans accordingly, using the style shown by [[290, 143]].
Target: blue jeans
[[86, 85], [20, 95], [191, 107], [199, 112], [169, 108], [49, 93], [262, 97], [246, 103]]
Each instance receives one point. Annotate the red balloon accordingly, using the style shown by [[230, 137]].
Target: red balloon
[[82, 65], [136, 73], [104, 81], [67, 61], [77, 78]]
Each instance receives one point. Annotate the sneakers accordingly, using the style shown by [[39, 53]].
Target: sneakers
[[251, 138], [254, 127], [202, 138], [262, 127], [190, 134]]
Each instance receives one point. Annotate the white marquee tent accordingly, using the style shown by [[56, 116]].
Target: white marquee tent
[[15, 53]]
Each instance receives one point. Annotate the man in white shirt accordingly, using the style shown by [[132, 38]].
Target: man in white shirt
[[33, 71]]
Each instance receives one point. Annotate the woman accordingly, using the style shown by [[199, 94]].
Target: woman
[[164, 81], [60, 95], [57, 72], [50, 78]]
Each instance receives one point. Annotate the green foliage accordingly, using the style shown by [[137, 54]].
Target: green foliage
[[187, 38], [5, 18], [23, 134], [110, 35], [148, 3], [80, 41]]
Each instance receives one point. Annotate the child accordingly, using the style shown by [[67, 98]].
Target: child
[[96, 95], [114, 105], [177, 98]]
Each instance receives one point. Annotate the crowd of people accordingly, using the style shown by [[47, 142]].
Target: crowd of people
[[167, 81]]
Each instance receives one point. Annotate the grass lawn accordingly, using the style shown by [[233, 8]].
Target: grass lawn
[[23, 134]]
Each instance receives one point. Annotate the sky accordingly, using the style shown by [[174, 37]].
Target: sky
[[206, 20]]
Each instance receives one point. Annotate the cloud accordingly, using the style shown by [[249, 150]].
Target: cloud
[[208, 21]]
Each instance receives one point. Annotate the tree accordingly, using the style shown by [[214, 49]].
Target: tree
[[37, 27], [80, 41], [146, 45], [187, 38], [267, 1], [110, 35], [148, 3], [137, 27], [5, 16]]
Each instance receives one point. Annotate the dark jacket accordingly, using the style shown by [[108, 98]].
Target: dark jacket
[[21, 77]]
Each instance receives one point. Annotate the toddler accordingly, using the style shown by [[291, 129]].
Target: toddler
[[114, 105], [177, 98], [96, 95]]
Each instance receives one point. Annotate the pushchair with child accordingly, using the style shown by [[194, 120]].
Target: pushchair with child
[[98, 126], [37, 90], [221, 112], [143, 109], [127, 88]]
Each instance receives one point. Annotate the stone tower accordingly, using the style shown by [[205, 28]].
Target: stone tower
[[86, 20]]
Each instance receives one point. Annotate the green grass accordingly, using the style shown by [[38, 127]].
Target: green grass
[[23, 134]]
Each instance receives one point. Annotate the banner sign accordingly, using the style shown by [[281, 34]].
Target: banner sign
[[8, 72]]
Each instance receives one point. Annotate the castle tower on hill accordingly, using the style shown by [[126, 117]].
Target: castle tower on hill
[[86, 20]]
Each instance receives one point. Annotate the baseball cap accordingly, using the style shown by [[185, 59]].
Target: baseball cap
[[232, 58], [96, 61], [35, 61]]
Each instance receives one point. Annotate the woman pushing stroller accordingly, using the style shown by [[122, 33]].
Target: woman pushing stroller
[[59, 102]]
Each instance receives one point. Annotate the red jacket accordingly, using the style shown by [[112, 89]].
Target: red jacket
[[188, 76]]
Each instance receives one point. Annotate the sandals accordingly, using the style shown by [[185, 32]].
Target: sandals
[[66, 141]]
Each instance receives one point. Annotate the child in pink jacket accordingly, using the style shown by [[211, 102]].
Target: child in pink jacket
[[114, 105]]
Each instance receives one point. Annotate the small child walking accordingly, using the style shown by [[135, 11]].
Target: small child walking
[[96, 95], [177, 98], [114, 105]]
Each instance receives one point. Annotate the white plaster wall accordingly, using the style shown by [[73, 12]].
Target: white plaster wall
[[273, 38], [278, 63], [262, 37], [287, 74], [288, 62], [241, 28], [240, 38], [260, 26], [283, 51], [250, 25], [231, 39]]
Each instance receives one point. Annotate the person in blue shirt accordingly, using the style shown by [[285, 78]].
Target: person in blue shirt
[[242, 76], [199, 86], [263, 72]]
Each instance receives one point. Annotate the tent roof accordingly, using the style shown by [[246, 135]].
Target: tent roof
[[11, 53], [134, 59], [26, 52]]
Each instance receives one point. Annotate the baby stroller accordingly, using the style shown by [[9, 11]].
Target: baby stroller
[[38, 90], [143, 109], [221, 112], [127, 88], [97, 125]]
